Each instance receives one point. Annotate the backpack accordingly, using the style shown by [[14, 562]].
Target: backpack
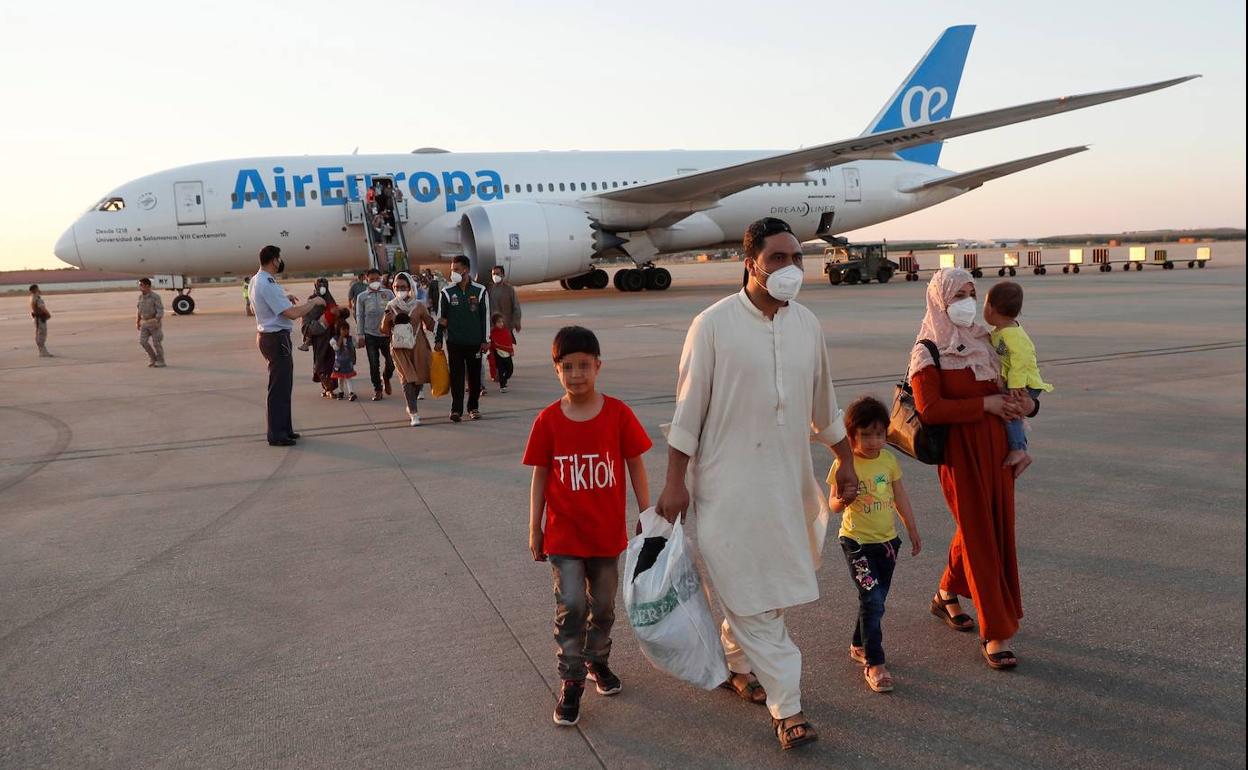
[[403, 336], [906, 431]]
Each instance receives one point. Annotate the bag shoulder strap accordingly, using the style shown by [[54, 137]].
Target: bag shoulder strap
[[931, 348]]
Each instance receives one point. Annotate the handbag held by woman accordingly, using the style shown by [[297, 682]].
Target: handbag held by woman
[[906, 431]]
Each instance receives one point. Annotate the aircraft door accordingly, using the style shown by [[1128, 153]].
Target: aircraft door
[[189, 198], [853, 185]]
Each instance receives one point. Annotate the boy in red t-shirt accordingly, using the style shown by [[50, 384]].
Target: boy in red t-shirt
[[578, 448]]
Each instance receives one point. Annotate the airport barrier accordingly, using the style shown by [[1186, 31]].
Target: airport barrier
[[1009, 264], [1075, 259], [946, 260], [1100, 258], [1203, 255], [1035, 260]]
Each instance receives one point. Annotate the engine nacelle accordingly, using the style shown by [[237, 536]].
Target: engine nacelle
[[534, 242]]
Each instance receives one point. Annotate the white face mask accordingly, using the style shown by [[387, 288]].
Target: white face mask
[[784, 284], [322, 291], [375, 285], [456, 276], [962, 312], [497, 278], [405, 294]]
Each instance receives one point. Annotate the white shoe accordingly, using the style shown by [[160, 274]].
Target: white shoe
[[415, 420]]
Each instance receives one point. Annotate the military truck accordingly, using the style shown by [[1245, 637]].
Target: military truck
[[858, 262]]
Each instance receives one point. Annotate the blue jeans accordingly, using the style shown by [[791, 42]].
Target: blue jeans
[[871, 567], [1014, 432]]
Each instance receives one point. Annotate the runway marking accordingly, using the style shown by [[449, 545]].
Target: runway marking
[[63, 436], [527, 412]]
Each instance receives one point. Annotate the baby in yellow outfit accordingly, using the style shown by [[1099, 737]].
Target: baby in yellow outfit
[[1019, 368]]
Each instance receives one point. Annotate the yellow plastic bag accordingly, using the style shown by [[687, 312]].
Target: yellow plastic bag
[[439, 375]]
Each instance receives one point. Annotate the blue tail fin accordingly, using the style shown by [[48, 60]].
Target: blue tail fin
[[927, 93]]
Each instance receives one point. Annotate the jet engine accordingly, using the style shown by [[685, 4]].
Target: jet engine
[[534, 242]]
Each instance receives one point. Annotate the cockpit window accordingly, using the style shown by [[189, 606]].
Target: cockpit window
[[111, 204]]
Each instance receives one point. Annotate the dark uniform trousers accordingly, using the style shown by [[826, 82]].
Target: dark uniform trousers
[[275, 347], [461, 360]]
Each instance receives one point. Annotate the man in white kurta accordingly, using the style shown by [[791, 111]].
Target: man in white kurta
[[754, 389]]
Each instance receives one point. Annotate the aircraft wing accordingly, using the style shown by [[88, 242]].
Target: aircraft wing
[[969, 180], [721, 182]]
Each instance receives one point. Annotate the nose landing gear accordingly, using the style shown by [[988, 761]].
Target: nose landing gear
[[183, 304]]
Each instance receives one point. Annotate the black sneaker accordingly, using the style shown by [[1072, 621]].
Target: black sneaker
[[601, 675], [568, 709]]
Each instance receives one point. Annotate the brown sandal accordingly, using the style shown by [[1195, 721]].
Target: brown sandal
[[785, 734], [959, 622], [1002, 660], [751, 691], [883, 683]]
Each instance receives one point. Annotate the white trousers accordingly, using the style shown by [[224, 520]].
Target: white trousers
[[760, 644]]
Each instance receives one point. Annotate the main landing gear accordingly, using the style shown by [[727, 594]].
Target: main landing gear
[[594, 279], [648, 278]]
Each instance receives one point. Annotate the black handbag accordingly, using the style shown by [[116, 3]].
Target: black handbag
[[906, 431]]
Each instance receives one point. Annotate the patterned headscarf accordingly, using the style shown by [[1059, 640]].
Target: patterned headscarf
[[405, 305], [961, 347]]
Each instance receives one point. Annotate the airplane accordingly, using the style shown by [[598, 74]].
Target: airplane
[[549, 216]]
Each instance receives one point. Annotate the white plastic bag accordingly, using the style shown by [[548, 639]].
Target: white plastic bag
[[667, 607]]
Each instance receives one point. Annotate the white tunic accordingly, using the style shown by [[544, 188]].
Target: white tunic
[[750, 394]]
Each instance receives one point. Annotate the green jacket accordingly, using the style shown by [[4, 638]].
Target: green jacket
[[467, 313]]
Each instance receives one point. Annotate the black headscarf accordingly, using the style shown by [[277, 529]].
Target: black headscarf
[[328, 296]]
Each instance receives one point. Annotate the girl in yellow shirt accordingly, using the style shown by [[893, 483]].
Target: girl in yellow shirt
[[869, 533]]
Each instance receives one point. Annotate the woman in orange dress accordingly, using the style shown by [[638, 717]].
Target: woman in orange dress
[[964, 394]]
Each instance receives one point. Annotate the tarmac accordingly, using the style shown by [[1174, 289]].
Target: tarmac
[[176, 593]]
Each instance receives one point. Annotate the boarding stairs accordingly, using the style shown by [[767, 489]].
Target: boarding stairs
[[389, 255]]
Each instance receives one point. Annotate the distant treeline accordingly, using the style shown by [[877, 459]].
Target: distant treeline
[[1149, 236]]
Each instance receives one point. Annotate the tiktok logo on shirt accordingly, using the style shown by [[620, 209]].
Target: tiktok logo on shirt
[[586, 472]]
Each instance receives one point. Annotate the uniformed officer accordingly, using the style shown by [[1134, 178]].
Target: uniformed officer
[[39, 312], [151, 324], [276, 312]]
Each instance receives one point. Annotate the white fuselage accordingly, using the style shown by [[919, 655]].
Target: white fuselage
[[212, 219]]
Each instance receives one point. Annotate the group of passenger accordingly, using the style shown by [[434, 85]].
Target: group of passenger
[[381, 202], [391, 319], [754, 386]]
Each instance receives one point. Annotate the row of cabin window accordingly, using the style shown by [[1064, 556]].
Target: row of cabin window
[[507, 188]]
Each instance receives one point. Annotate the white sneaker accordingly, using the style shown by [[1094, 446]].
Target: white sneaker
[[415, 420]]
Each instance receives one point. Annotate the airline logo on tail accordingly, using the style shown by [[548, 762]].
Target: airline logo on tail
[[928, 92], [922, 105]]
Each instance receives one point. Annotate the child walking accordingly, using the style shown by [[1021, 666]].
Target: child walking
[[343, 345], [1019, 369], [579, 447], [869, 534], [502, 348]]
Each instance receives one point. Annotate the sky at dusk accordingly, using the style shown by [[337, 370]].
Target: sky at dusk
[[96, 94]]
